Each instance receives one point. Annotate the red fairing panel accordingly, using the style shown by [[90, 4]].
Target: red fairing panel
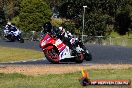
[[60, 45]]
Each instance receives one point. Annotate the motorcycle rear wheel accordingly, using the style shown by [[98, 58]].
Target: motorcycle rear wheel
[[52, 55], [88, 57]]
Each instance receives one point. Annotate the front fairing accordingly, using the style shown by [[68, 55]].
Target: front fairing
[[6, 32], [46, 40]]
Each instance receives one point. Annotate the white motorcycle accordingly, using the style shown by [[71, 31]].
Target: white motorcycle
[[13, 35]]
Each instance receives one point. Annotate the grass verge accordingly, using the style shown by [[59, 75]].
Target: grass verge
[[116, 39], [17, 54], [69, 80]]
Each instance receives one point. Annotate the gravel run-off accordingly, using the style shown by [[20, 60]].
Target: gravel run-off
[[35, 70]]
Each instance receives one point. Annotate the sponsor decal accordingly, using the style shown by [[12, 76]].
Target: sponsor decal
[[62, 54], [63, 51], [62, 48], [85, 81], [110, 82], [44, 41]]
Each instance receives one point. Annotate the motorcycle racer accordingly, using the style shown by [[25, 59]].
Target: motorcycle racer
[[60, 35], [48, 28], [10, 27], [65, 36], [11, 32], [73, 42]]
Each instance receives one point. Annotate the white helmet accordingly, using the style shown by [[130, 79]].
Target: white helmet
[[68, 32], [9, 23], [61, 29]]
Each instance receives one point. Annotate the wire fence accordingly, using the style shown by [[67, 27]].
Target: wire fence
[[32, 36], [101, 40]]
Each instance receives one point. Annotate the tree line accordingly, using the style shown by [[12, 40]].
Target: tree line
[[101, 17]]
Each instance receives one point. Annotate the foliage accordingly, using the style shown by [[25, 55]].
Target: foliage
[[70, 26], [16, 8], [56, 22], [123, 17], [96, 24], [2, 18], [15, 20], [99, 15], [122, 23], [33, 13]]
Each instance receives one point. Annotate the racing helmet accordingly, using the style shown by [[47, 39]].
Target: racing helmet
[[62, 29], [9, 23], [47, 27], [68, 32]]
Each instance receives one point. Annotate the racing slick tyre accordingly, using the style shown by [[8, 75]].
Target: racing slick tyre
[[12, 39], [52, 55], [79, 58], [88, 56]]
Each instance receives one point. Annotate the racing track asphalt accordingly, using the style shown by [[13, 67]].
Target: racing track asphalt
[[100, 54]]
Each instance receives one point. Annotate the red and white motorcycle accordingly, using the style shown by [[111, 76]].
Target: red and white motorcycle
[[56, 51]]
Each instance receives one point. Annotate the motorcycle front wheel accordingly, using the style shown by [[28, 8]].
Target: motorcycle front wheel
[[52, 55], [11, 38]]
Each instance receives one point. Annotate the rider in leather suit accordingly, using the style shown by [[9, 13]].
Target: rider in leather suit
[[61, 34], [10, 27]]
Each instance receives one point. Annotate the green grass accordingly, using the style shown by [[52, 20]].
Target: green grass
[[17, 54], [115, 35], [117, 39], [62, 80]]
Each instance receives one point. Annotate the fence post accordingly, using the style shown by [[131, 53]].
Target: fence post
[[110, 41]]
